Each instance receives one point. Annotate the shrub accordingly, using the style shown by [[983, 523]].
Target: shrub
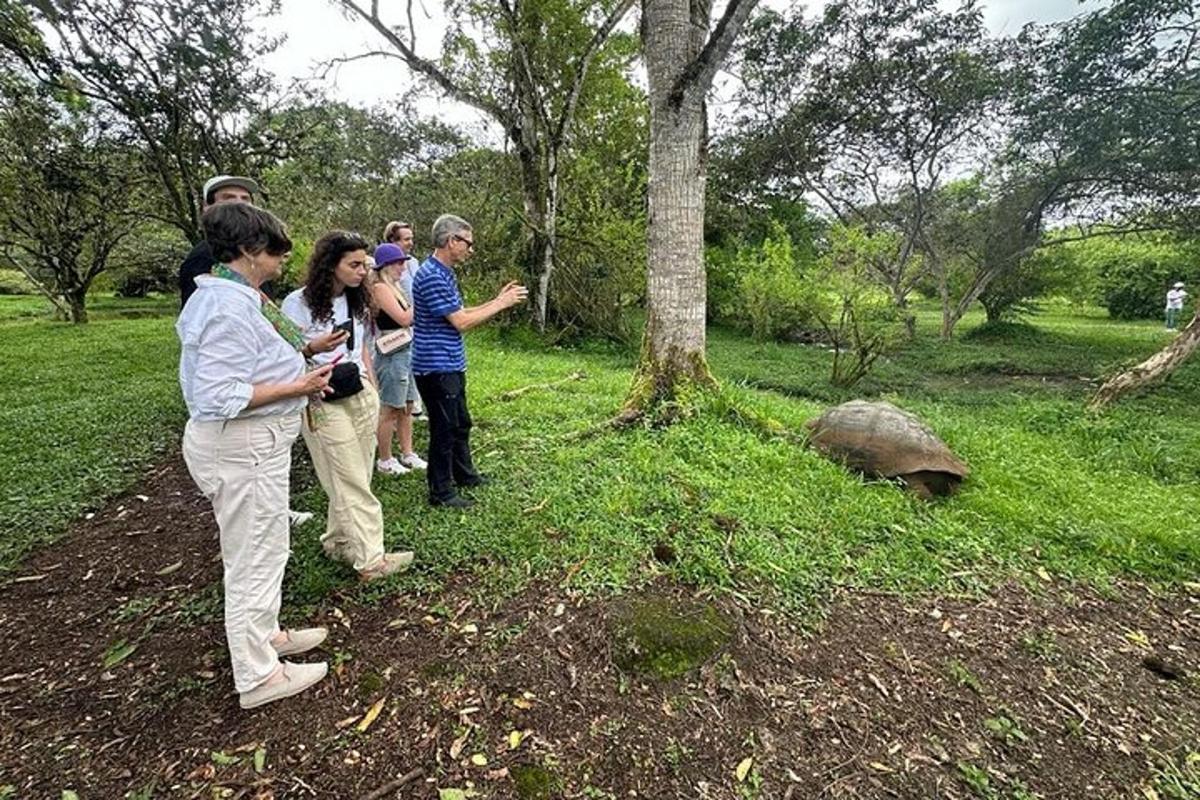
[[773, 297], [858, 317], [13, 282], [1134, 273], [147, 261]]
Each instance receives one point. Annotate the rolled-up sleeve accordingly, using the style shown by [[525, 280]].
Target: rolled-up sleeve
[[225, 362]]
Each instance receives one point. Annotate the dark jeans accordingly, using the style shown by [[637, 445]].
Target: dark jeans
[[445, 397]]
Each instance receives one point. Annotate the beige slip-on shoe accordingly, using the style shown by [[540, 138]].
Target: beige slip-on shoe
[[296, 678], [301, 641], [388, 564]]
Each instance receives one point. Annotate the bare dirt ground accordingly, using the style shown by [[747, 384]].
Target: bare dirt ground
[[114, 682]]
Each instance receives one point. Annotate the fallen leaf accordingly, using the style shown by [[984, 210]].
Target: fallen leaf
[[371, 714], [875, 765], [1138, 638], [514, 739], [522, 703], [451, 794], [537, 508], [559, 609], [67, 794], [479, 760], [396, 623], [347, 722], [222, 760], [260, 759], [117, 653], [470, 627], [1041, 571], [743, 768]]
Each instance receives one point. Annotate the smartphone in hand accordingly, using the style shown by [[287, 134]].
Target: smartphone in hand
[[348, 327]]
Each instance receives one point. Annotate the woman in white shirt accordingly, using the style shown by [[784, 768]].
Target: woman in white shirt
[[242, 371], [342, 444]]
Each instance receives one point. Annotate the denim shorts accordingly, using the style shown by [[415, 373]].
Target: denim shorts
[[394, 370]]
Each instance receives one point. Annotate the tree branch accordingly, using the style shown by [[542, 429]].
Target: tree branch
[[424, 66], [698, 76], [585, 60]]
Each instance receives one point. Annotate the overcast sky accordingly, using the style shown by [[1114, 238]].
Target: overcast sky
[[318, 32]]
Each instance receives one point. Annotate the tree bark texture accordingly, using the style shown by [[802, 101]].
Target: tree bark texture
[[674, 341], [1156, 367]]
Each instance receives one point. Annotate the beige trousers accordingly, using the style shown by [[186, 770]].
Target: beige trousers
[[242, 466], [343, 454]]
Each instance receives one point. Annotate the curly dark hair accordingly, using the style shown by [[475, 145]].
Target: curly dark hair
[[318, 283]]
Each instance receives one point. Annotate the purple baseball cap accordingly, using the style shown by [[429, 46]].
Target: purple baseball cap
[[388, 253]]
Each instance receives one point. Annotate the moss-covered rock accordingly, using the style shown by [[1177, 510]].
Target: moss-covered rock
[[663, 639], [535, 782]]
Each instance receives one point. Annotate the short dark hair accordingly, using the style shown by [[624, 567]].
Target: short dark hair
[[234, 229]]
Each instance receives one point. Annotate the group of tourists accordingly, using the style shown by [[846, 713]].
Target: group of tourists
[[341, 362]]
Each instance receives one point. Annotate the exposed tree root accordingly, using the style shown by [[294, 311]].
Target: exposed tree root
[[513, 394]]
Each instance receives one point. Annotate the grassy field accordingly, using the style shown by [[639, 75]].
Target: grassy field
[[1053, 491], [83, 410]]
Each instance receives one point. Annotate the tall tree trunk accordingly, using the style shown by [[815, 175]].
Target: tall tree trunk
[[550, 243], [900, 298], [1154, 368], [674, 341], [77, 302], [947, 310]]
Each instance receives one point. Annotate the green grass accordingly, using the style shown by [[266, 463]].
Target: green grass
[[83, 409], [1053, 489]]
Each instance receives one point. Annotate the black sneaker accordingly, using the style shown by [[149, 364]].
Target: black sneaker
[[456, 501], [474, 483]]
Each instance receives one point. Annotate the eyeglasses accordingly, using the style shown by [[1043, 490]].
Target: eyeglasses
[[468, 242]]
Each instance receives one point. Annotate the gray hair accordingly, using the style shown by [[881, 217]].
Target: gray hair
[[446, 227]]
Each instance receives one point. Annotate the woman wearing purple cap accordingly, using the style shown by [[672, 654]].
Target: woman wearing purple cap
[[391, 355]]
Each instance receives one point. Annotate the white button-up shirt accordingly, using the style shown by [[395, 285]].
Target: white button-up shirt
[[228, 347], [296, 308]]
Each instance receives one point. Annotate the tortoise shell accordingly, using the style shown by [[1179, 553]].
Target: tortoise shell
[[880, 440]]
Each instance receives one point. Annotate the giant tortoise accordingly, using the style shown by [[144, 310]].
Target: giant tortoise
[[882, 441]]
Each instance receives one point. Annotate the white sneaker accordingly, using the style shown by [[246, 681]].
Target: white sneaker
[[298, 518], [295, 679], [300, 641], [388, 564], [391, 467], [413, 461]]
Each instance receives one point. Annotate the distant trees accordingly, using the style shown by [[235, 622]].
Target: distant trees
[[869, 109], [180, 78], [70, 191], [873, 107], [538, 68]]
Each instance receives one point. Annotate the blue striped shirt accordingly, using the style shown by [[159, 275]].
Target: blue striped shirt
[[437, 345]]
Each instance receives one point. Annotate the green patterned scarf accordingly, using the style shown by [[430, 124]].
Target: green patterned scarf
[[289, 330]]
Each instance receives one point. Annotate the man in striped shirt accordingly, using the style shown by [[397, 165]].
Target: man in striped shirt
[[439, 359]]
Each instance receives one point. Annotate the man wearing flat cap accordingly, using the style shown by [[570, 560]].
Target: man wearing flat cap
[[221, 189]]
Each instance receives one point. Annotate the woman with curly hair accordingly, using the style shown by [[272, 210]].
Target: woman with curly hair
[[341, 438]]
